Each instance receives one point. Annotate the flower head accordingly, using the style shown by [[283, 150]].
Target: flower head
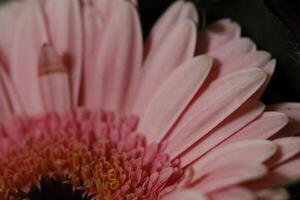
[[90, 111]]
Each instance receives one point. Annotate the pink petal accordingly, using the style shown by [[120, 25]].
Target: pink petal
[[172, 97], [93, 26], [292, 110], [216, 35], [269, 68], [284, 174], [5, 108], [184, 194], [233, 49], [65, 27], [237, 120], [264, 127], [9, 15], [248, 151], [29, 36], [273, 194], [54, 81], [160, 63], [177, 12], [231, 174], [119, 59], [218, 101], [233, 193], [252, 59], [10, 92], [288, 147], [105, 7], [135, 2]]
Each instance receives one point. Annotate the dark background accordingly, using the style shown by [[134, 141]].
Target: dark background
[[274, 25]]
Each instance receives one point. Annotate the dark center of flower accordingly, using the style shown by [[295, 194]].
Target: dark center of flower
[[54, 188], [84, 156]]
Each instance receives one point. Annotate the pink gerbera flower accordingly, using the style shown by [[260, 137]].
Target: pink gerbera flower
[[90, 112]]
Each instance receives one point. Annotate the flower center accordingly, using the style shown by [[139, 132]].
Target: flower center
[[85, 156], [60, 158]]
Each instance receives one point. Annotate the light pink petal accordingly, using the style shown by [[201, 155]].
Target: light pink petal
[[9, 15], [252, 59], [218, 101], [267, 125], [269, 68], [172, 97], [54, 81], [160, 63], [216, 35], [105, 7], [233, 49], [178, 11], [8, 103], [5, 108], [65, 27], [93, 26], [248, 151], [233, 193], [285, 173], [29, 36], [229, 175], [10, 92], [288, 147], [184, 194], [292, 110], [118, 61], [135, 2], [237, 120], [273, 194]]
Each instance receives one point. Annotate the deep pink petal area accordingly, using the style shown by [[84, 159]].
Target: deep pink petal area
[[30, 34], [167, 100], [185, 194]]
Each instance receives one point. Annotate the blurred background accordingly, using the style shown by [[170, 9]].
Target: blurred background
[[274, 25]]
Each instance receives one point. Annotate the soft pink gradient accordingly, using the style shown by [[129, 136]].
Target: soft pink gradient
[[196, 93]]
